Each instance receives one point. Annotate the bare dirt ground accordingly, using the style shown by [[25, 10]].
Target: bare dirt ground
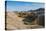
[[14, 22]]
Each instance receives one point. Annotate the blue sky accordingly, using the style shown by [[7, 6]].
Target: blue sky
[[23, 6]]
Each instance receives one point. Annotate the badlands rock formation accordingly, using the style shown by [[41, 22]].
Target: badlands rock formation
[[15, 22]]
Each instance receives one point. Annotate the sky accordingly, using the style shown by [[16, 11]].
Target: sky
[[28, 0], [23, 6]]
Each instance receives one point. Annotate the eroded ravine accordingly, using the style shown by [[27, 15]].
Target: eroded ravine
[[15, 22]]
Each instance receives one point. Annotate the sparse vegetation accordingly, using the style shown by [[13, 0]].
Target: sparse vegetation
[[22, 20], [29, 19]]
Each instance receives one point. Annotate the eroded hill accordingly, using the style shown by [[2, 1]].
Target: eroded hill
[[13, 21]]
